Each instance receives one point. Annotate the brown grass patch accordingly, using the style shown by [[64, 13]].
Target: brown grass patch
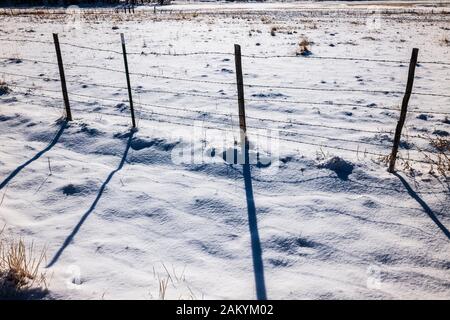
[[20, 270]]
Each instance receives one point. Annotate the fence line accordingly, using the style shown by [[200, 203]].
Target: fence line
[[122, 101], [45, 78], [253, 56], [375, 60], [357, 151], [254, 85], [241, 85], [286, 122], [233, 98], [289, 122], [204, 112], [338, 104]]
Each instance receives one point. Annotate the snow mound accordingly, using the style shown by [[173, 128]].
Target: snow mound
[[151, 151], [161, 144], [340, 166]]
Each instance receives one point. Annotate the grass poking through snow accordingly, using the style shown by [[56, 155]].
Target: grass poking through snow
[[20, 270]]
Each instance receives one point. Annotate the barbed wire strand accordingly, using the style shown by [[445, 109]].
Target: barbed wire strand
[[253, 56], [204, 112], [356, 151], [304, 103], [289, 122], [252, 85]]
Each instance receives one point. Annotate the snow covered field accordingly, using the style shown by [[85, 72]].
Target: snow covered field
[[118, 210]]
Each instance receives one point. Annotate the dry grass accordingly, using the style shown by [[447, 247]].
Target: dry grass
[[445, 41], [266, 20], [20, 270], [303, 47], [437, 157], [173, 285], [440, 158]]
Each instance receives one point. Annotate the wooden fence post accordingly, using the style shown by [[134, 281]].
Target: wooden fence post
[[124, 50], [63, 78], [401, 120], [241, 102]]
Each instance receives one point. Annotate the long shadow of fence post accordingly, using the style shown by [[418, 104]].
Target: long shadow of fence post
[[258, 266], [94, 204], [424, 205], [36, 156]]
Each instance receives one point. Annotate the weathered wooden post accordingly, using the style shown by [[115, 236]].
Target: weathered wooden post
[[63, 78], [124, 50], [401, 120], [241, 101]]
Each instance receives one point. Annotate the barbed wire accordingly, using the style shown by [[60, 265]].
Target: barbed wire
[[204, 112], [356, 151], [253, 56], [139, 90], [27, 40], [338, 104], [279, 130], [68, 80], [173, 116], [374, 60], [299, 102], [289, 122], [252, 85], [15, 59], [118, 101]]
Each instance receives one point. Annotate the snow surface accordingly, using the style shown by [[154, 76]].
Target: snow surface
[[115, 211]]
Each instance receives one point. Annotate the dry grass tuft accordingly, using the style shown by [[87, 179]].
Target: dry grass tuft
[[266, 20], [303, 48], [173, 285], [441, 144], [20, 270], [440, 158], [445, 41]]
